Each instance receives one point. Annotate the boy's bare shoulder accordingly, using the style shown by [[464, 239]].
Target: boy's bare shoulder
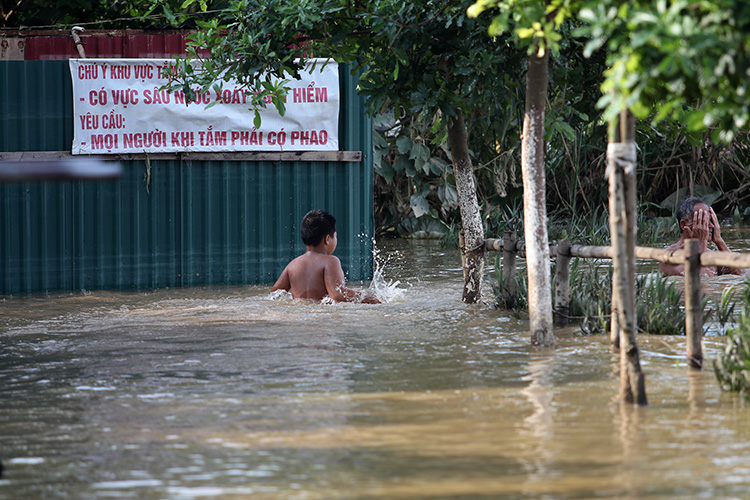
[[312, 259]]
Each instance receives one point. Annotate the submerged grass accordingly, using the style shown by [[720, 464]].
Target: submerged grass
[[658, 304], [659, 300], [659, 309], [725, 308], [590, 292]]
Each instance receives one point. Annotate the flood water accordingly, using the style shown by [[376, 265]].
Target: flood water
[[222, 393]]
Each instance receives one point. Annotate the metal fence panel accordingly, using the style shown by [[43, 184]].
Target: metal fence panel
[[176, 223]]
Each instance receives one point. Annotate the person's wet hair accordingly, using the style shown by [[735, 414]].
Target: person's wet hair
[[316, 225], [685, 209]]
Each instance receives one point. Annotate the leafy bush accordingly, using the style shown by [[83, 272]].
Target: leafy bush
[[732, 367]]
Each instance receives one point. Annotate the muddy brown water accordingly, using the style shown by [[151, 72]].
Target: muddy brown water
[[223, 393]]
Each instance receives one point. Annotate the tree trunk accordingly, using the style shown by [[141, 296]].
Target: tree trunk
[[471, 219], [534, 204], [621, 162]]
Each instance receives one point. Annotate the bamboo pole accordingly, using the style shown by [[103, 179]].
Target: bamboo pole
[[661, 255], [509, 268], [587, 251], [562, 279], [721, 259], [493, 245], [497, 245], [725, 259], [693, 306]]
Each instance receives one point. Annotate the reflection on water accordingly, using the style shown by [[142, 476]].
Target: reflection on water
[[222, 393]]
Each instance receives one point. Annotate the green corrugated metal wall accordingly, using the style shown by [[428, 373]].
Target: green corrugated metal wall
[[196, 222]]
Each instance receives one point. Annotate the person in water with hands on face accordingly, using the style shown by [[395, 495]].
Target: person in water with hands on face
[[317, 273], [697, 220]]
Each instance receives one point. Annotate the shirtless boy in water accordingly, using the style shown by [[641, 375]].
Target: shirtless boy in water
[[698, 220], [317, 273]]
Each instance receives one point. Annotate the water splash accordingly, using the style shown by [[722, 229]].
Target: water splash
[[280, 295], [384, 289]]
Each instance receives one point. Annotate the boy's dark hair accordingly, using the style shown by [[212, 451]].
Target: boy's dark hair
[[685, 209], [316, 224]]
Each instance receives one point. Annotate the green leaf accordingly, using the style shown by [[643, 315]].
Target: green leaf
[[437, 166], [448, 195], [379, 142], [420, 154], [169, 14], [419, 204], [694, 121], [383, 168], [403, 163], [404, 144]]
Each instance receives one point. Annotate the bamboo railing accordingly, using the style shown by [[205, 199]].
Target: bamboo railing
[[691, 257]]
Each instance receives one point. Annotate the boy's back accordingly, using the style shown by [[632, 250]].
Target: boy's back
[[306, 275], [317, 272]]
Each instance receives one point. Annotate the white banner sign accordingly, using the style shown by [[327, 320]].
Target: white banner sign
[[118, 108]]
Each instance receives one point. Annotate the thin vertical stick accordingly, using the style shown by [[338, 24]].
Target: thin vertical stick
[[693, 306], [509, 268], [562, 280]]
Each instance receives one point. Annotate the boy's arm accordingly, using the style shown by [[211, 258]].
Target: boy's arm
[[283, 282], [336, 285]]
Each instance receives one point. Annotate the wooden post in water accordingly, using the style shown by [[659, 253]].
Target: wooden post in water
[[562, 279], [621, 164], [693, 306], [509, 268]]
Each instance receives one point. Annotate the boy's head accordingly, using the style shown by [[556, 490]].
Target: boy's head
[[316, 225]]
